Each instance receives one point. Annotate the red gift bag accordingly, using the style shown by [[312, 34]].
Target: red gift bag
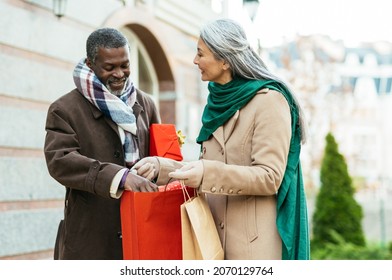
[[151, 225], [164, 141], [151, 222]]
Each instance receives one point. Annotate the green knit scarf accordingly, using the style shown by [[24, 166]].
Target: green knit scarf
[[224, 100]]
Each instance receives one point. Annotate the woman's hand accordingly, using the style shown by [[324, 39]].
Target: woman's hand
[[192, 174]]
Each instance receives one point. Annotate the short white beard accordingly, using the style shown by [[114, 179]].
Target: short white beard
[[117, 93]]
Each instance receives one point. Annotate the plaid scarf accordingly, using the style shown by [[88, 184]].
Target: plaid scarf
[[118, 109]]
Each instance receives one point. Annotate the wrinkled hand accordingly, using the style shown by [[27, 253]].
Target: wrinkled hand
[[147, 167], [137, 183], [192, 173]]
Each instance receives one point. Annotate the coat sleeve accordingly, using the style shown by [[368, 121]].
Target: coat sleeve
[[269, 151], [65, 162], [167, 165]]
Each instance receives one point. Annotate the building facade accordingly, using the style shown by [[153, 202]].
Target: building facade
[[346, 91], [38, 52]]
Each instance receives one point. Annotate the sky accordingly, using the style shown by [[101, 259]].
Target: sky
[[352, 21]]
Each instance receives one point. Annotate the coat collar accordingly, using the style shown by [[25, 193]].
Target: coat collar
[[137, 109], [223, 133]]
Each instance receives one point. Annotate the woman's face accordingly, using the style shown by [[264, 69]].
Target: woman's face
[[211, 69]]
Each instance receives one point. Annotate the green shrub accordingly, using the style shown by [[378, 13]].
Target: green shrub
[[341, 250], [336, 209]]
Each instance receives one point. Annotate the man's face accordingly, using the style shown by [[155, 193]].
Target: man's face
[[112, 67]]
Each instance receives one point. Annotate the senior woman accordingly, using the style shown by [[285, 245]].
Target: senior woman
[[251, 136]]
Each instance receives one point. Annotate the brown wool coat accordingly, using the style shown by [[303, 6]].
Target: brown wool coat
[[244, 163], [83, 153]]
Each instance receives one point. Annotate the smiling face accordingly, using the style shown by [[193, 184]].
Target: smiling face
[[112, 67], [211, 69]]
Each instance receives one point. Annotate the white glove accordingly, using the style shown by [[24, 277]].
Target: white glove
[[147, 167], [192, 173]]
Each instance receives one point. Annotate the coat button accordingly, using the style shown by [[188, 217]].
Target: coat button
[[117, 154], [119, 234], [221, 225], [213, 189], [231, 191]]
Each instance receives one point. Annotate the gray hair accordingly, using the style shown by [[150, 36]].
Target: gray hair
[[104, 38], [227, 40]]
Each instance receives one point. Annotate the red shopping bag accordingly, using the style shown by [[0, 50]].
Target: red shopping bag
[[164, 141], [151, 222], [151, 225]]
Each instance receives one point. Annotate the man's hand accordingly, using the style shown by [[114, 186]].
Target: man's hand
[[147, 167], [136, 183]]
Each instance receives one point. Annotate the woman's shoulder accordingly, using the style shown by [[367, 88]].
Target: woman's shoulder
[[268, 97]]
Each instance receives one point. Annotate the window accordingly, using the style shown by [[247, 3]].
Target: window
[[143, 73]]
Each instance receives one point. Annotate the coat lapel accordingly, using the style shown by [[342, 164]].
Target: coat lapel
[[223, 133], [98, 114], [218, 135], [229, 126]]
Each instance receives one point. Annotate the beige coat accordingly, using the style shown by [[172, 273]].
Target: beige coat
[[244, 163]]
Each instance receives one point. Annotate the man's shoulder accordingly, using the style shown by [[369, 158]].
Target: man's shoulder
[[70, 96], [143, 97], [69, 101]]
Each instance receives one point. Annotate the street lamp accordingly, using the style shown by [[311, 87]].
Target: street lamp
[[59, 7], [251, 7]]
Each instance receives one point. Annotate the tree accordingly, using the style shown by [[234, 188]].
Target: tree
[[336, 210]]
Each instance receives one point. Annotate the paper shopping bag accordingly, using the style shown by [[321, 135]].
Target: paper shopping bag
[[200, 239], [164, 141], [151, 225]]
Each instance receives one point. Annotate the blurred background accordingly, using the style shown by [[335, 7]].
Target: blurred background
[[337, 55]]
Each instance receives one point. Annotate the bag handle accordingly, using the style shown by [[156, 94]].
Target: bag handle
[[168, 182], [184, 191]]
